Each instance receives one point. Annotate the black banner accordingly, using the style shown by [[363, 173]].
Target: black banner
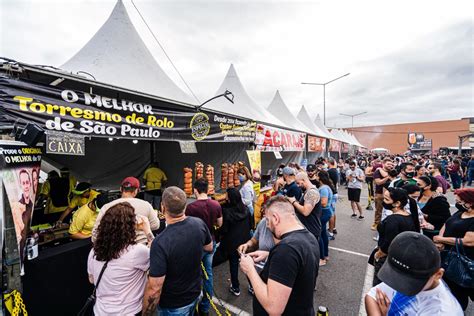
[[94, 115]]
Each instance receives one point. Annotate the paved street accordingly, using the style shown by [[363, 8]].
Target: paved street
[[340, 283]]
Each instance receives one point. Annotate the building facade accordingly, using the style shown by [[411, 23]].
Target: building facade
[[436, 135]]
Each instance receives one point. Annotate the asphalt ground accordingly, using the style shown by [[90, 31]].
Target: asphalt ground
[[340, 284]]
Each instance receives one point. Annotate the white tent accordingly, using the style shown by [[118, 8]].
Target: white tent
[[278, 108], [356, 141], [317, 121], [338, 136], [243, 105], [303, 116], [117, 55]]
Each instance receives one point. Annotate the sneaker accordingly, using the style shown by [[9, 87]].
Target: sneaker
[[322, 262], [251, 291], [374, 226], [236, 292], [376, 238], [353, 215], [334, 231], [360, 218], [331, 236]]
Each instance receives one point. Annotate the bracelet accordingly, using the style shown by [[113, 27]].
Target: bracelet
[[150, 236]]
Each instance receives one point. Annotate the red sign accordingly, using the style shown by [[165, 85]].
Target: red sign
[[316, 144], [334, 145], [274, 139]]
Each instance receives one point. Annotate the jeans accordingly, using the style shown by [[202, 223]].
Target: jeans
[[456, 180], [377, 266], [154, 200], [178, 311], [470, 176], [234, 269], [205, 305], [324, 241]]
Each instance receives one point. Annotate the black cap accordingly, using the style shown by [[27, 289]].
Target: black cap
[[311, 168], [81, 188], [100, 200], [412, 260]]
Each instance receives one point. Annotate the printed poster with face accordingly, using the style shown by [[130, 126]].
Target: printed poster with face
[[20, 165]]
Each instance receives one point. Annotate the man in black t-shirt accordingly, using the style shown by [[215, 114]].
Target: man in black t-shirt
[[291, 189], [174, 282], [286, 284], [311, 170], [308, 209]]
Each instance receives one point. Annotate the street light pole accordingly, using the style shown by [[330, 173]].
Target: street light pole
[[324, 91], [352, 116]]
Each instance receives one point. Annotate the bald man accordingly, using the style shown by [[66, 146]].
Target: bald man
[[285, 285], [308, 208]]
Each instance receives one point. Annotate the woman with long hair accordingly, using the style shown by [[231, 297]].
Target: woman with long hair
[[246, 187], [126, 263], [235, 231], [459, 226], [433, 204], [401, 220], [326, 189]]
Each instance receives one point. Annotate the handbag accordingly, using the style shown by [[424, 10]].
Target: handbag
[[88, 308], [458, 267]]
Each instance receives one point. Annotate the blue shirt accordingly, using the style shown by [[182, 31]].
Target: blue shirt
[[325, 191], [292, 190]]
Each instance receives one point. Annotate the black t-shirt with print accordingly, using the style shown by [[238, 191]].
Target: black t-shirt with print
[[294, 263], [176, 253]]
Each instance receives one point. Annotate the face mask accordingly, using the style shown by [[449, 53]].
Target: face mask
[[461, 207], [387, 206], [241, 178], [410, 175]]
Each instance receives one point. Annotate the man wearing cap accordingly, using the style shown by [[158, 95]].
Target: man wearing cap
[[129, 189], [311, 171], [84, 218], [291, 189], [83, 194], [412, 281]]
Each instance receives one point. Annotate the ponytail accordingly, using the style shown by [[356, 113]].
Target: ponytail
[[414, 213]]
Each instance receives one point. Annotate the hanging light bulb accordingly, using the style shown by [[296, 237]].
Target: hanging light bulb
[[135, 141]]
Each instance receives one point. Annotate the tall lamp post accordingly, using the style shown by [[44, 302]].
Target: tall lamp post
[[352, 116], [324, 92]]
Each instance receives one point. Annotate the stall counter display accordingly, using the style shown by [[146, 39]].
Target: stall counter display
[[230, 176]]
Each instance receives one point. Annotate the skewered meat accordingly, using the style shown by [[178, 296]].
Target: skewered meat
[[188, 181]]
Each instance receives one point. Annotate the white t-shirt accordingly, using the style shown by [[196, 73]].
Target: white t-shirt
[[355, 183], [438, 301], [121, 288]]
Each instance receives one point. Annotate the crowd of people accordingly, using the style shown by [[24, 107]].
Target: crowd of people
[[281, 251]]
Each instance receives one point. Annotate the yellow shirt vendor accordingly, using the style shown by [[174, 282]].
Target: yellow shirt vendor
[[154, 177], [83, 194], [84, 218]]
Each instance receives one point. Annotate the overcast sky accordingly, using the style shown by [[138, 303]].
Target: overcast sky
[[409, 60]]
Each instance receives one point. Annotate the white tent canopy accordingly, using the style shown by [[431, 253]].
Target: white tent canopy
[[117, 55], [356, 141], [243, 105], [303, 116], [336, 134], [278, 108], [317, 121]]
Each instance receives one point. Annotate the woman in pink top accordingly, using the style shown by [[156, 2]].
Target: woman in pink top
[[120, 291]]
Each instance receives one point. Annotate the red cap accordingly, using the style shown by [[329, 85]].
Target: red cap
[[131, 182]]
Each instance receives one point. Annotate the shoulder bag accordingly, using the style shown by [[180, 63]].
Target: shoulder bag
[[88, 308], [458, 267]]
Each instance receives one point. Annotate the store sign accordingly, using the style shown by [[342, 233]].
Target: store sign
[[65, 144], [274, 139], [255, 162], [20, 167], [316, 144], [334, 145], [88, 114]]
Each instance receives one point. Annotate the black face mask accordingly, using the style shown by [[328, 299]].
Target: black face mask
[[410, 174], [461, 207], [387, 206]]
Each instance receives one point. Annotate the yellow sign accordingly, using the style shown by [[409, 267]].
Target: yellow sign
[[200, 126], [255, 161]]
